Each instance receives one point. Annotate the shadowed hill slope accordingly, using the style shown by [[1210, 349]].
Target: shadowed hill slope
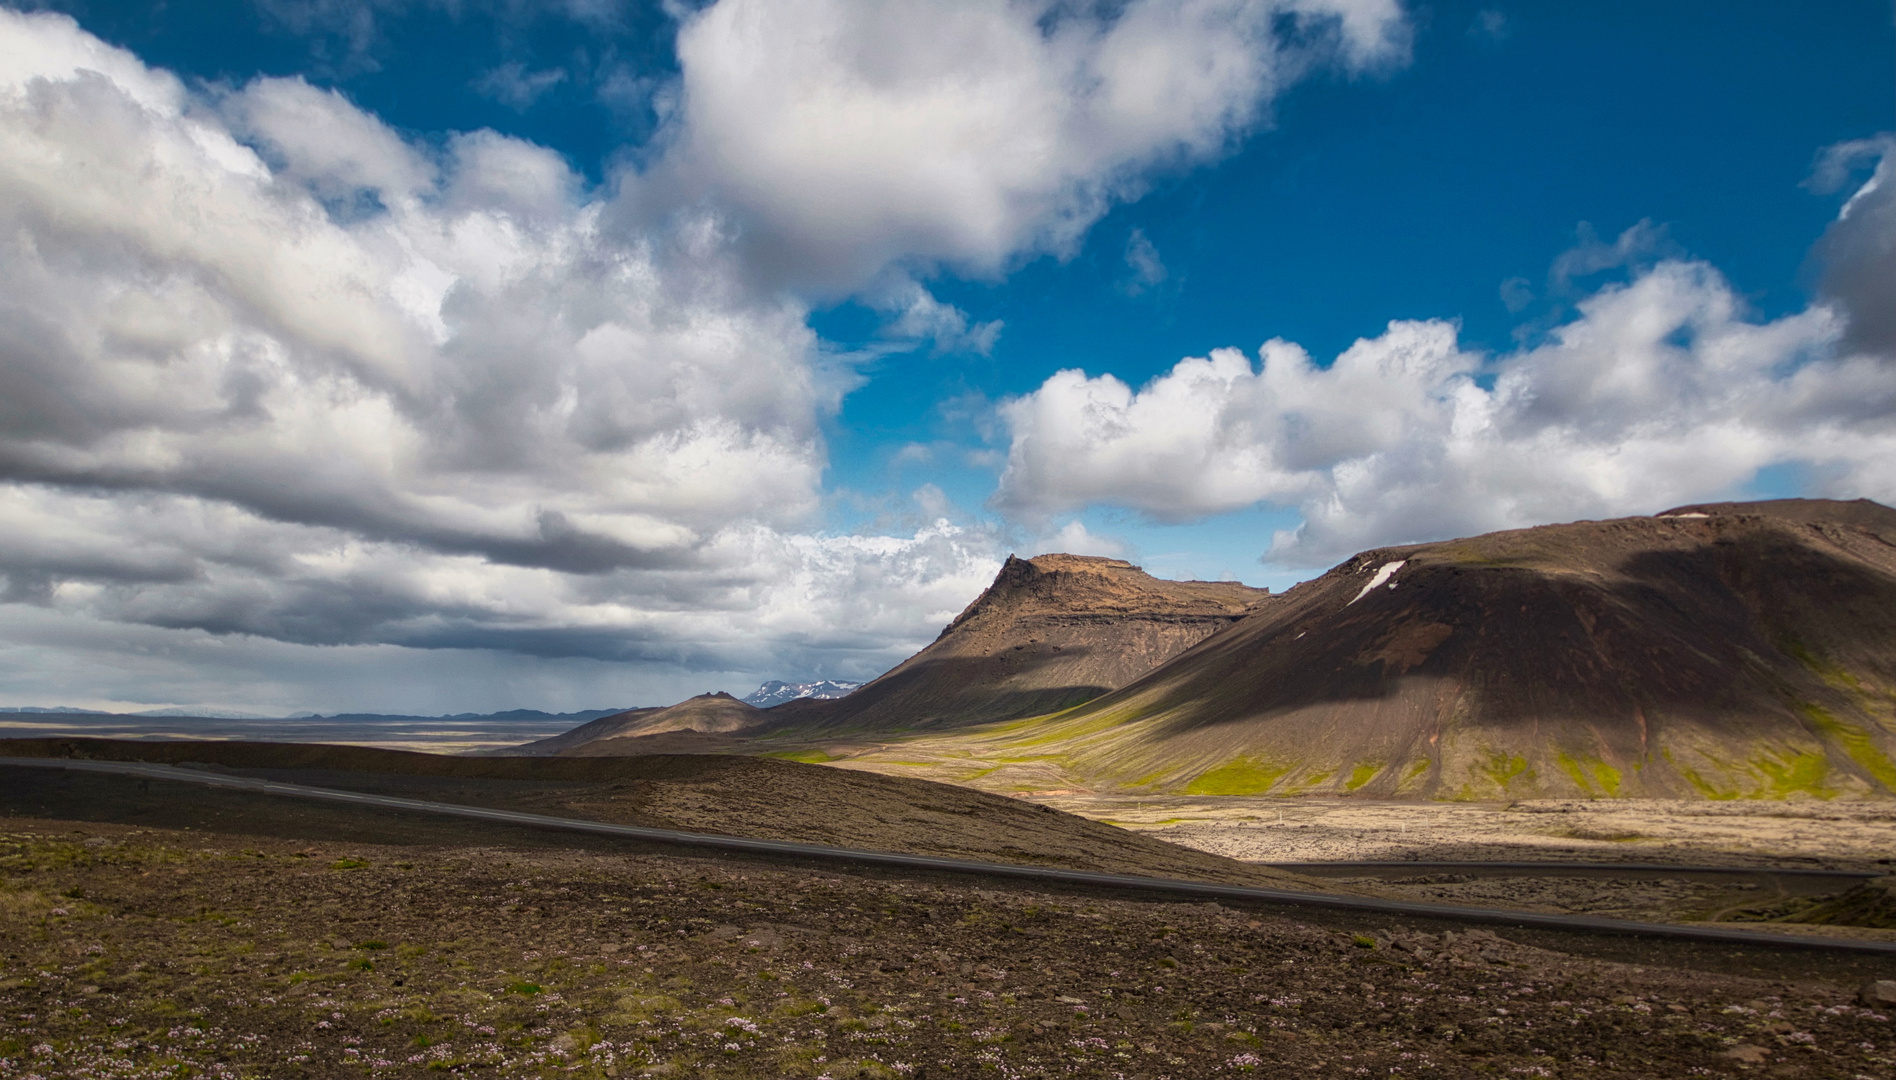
[[1051, 632], [1722, 651]]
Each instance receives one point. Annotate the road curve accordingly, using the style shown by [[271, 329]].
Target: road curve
[[1207, 890]]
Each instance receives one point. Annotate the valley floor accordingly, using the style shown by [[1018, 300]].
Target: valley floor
[[1857, 836], [1838, 834]]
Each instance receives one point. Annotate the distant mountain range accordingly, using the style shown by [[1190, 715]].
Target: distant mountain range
[[466, 732], [208, 714], [776, 692], [182, 713]]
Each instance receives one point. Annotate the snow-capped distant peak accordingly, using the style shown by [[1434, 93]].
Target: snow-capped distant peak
[[776, 692]]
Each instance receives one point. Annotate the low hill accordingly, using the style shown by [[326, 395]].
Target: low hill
[[605, 727], [707, 714], [1051, 632]]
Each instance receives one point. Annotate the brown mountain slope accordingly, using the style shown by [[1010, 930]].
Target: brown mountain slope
[[604, 727], [1051, 632], [1723, 650], [707, 714]]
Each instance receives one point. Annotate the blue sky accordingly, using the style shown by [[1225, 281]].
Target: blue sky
[[467, 356]]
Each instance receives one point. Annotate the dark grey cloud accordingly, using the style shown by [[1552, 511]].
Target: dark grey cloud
[[1858, 253]]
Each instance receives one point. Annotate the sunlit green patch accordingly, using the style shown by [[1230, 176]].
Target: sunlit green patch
[[1594, 777], [1239, 776], [808, 757], [1362, 774], [1056, 730], [1855, 742], [1503, 769], [1704, 786], [1795, 773]]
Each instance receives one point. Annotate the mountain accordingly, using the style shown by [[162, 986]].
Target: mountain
[[776, 693], [1722, 650], [464, 732], [1050, 633], [182, 713], [528, 716], [603, 727]]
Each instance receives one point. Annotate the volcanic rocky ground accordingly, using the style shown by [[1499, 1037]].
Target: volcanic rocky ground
[[285, 943]]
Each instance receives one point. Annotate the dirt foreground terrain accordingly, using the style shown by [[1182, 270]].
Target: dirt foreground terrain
[[141, 952]]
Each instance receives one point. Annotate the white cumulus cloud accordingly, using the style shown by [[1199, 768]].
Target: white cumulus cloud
[[852, 134], [1659, 391]]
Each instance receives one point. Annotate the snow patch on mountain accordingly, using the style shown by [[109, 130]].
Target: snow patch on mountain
[[776, 692]]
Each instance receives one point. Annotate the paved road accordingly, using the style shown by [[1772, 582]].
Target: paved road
[[1206, 890]]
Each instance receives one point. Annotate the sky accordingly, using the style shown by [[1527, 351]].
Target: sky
[[452, 356]]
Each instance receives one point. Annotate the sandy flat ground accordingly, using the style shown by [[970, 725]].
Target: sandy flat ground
[[1857, 836], [1843, 835]]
